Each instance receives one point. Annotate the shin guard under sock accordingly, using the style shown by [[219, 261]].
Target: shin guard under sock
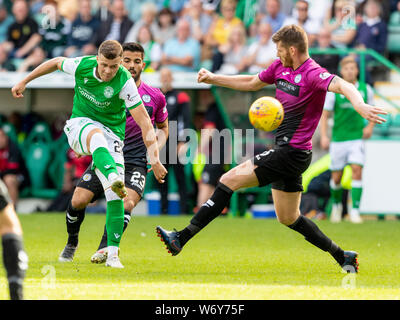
[[211, 209], [315, 236]]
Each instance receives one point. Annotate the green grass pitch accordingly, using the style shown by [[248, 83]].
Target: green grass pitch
[[230, 259]]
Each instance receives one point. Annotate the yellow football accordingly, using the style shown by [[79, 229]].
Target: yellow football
[[266, 113]]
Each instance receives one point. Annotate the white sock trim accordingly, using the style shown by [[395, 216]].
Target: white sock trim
[[356, 184], [112, 251]]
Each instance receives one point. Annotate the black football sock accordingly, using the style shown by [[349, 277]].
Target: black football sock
[[211, 209], [315, 236], [74, 219], [103, 242], [16, 262]]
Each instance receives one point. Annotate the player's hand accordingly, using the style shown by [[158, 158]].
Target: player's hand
[[18, 89], [324, 143], [159, 171], [205, 76], [371, 113]]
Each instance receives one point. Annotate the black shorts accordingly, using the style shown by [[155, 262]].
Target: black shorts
[[135, 179], [211, 173], [282, 167], [4, 196]]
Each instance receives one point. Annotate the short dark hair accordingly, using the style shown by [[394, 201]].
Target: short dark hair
[[133, 47], [292, 35], [110, 49]]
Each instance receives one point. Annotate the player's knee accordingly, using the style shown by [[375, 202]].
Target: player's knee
[[287, 219], [228, 179], [129, 204], [80, 201], [10, 180]]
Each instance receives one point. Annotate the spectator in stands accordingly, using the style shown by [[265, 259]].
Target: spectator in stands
[[328, 61], [10, 165], [152, 50], [5, 21], [301, 18], [23, 34], [116, 27], [68, 9], [82, 32], [5, 63], [74, 169], [275, 17], [230, 58], [148, 18], [178, 106], [372, 33], [222, 25], [385, 8], [54, 39], [199, 20], [183, 52], [246, 11], [132, 5], [285, 5], [103, 9], [262, 52], [166, 22], [341, 23], [176, 6]]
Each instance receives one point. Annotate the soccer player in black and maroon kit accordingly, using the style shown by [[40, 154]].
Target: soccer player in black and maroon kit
[[301, 86]]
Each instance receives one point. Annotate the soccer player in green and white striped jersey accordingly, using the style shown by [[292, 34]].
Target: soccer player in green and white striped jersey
[[103, 91], [347, 145]]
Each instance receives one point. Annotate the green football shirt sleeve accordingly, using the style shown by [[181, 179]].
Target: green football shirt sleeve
[[130, 95], [70, 65]]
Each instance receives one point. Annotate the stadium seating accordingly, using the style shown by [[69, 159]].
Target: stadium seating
[[38, 158]]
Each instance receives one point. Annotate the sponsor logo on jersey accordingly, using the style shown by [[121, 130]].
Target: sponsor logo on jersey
[[108, 92], [289, 88], [130, 98], [324, 75], [92, 99], [285, 73], [146, 98], [85, 80]]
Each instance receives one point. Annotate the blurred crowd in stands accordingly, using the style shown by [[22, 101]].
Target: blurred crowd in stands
[[227, 36]]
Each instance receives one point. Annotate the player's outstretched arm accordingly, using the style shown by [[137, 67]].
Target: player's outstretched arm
[[371, 113], [44, 68], [236, 82], [142, 118]]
